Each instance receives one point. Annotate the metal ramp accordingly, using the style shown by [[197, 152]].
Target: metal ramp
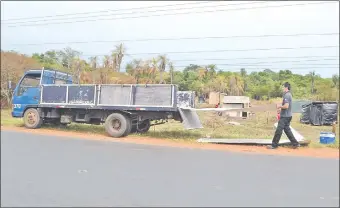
[[247, 141], [283, 141], [190, 118]]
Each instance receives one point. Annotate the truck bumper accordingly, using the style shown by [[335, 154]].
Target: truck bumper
[[16, 114]]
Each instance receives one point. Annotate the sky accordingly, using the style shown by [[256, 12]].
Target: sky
[[291, 32]]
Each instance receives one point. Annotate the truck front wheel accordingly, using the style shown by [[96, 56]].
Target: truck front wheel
[[32, 119], [117, 125]]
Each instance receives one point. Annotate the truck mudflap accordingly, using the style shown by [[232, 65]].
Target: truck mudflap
[[190, 118]]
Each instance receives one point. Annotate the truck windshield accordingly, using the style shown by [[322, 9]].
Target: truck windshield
[[31, 80]]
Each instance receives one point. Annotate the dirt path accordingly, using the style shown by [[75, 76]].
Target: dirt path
[[309, 152]]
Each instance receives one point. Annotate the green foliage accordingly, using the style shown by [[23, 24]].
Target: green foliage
[[263, 85]]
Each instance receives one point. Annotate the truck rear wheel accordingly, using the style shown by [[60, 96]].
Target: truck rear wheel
[[117, 125], [128, 130], [32, 119]]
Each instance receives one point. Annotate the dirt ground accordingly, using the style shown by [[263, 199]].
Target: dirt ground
[[303, 151]]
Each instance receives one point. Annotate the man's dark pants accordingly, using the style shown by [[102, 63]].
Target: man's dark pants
[[283, 125]]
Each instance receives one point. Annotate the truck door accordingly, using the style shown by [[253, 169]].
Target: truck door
[[26, 94]]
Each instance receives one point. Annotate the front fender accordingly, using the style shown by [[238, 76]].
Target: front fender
[[18, 110]]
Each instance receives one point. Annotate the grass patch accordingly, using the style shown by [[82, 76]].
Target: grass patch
[[7, 120], [260, 126]]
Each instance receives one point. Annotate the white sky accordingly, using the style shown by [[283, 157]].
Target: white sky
[[298, 19]]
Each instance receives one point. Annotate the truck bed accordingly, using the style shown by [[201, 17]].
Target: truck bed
[[127, 96]]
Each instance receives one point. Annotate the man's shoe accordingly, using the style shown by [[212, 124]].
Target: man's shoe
[[271, 147], [296, 146]]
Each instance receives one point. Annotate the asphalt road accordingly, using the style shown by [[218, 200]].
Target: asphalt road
[[50, 171]]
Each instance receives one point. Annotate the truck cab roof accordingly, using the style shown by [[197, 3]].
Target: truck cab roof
[[49, 71], [50, 74]]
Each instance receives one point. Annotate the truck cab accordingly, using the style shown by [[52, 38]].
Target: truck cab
[[28, 90]]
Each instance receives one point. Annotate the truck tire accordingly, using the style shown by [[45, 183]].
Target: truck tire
[[32, 119], [117, 125], [128, 130], [143, 127]]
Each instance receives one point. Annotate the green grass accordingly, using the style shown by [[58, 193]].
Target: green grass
[[7, 120], [260, 126]]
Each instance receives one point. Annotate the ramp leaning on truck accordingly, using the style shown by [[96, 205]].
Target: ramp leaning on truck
[[49, 96]]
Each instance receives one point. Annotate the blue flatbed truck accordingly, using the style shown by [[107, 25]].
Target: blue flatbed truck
[[49, 96]]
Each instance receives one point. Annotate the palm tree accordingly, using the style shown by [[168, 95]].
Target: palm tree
[[106, 61], [162, 64], [153, 69], [118, 55], [244, 76], [78, 66], [212, 70], [114, 61], [93, 61], [312, 76], [202, 72], [235, 85], [171, 67], [134, 68]]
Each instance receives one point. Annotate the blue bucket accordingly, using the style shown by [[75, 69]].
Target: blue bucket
[[327, 138]]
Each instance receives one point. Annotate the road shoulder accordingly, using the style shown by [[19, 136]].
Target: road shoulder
[[304, 152]]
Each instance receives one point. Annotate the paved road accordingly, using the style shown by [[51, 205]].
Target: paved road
[[50, 171]]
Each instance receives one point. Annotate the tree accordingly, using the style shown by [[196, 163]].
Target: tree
[[106, 61], [153, 69], [264, 84], [171, 67], [114, 61], [236, 85], [67, 55], [117, 57], [78, 66], [335, 80], [312, 78], [191, 67], [163, 61], [202, 73], [13, 66], [93, 61], [212, 70], [243, 73]]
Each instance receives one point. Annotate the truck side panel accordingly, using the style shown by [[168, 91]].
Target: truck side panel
[[54, 94], [82, 94], [155, 96], [138, 96], [115, 95]]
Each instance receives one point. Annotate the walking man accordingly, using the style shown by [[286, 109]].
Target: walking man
[[285, 110]]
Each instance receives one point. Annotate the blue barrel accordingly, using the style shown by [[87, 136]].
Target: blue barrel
[[327, 138]]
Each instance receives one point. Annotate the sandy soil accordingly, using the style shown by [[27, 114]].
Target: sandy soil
[[304, 151]]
